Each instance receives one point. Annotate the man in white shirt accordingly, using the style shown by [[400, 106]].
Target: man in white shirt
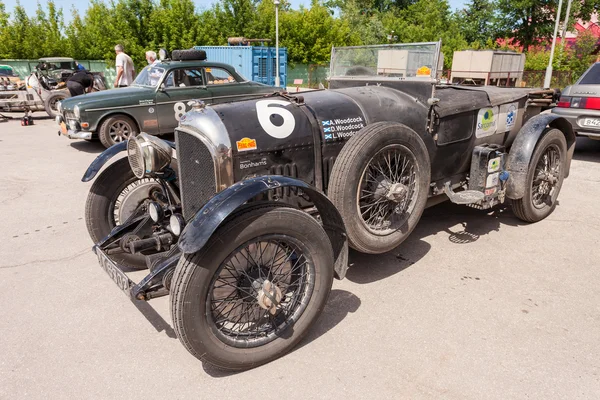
[[151, 57], [125, 69]]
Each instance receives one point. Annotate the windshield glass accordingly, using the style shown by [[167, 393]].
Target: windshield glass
[[5, 71], [413, 60], [149, 76], [592, 76]]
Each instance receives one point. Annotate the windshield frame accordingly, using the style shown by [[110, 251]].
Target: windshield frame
[[434, 70]]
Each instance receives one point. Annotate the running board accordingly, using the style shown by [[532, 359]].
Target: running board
[[463, 197]]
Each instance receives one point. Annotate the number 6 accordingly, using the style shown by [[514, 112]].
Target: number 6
[[264, 113]]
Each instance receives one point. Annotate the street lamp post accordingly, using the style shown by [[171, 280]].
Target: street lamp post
[[277, 42], [549, 68]]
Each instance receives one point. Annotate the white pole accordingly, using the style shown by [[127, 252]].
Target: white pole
[[277, 43], [549, 68], [564, 31]]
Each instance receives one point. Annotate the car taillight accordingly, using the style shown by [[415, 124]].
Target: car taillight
[[592, 103], [564, 102], [589, 103]]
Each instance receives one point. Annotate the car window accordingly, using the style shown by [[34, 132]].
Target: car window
[[592, 76], [184, 77], [218, 76], [149, 76]]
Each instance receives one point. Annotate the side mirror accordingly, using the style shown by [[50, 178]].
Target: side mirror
[[162, 87], [163, 54]]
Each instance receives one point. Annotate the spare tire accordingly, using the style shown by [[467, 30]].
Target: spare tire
[[188, 55], [52, 100]]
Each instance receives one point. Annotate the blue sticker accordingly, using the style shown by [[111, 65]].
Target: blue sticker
[[328, 137], [326, 123], [326, 129]]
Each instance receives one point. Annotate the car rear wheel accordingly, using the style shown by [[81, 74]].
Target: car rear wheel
[[254, 290], [544, 178], [117, 129], [380, 183]]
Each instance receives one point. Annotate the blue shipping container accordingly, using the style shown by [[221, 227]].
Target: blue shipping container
[[252, 62]]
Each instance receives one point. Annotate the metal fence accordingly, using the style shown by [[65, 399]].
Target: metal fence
[[308, 75], [535, 79]]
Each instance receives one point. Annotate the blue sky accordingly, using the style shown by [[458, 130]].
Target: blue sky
[[31, 5]]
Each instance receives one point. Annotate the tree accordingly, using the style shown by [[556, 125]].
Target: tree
[[532, 22], [478, 21]]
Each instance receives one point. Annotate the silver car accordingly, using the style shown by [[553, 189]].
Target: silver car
[[580, 103]]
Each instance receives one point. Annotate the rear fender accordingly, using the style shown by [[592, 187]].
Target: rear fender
[[524, 145], [106, 155], [206, 221]]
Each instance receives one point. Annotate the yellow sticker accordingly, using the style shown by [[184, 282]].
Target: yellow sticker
[[246, 144], [424, 71], [208, 69]]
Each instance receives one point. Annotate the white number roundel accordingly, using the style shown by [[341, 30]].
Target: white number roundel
[[265, 112]]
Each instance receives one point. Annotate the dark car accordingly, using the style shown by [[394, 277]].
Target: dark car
[[155, 102], [580, 104], [247, 227]]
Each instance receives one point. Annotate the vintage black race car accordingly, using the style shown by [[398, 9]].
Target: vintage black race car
[[247, 217]]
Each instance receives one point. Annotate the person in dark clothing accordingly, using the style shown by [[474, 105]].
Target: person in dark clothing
[[80, 82]]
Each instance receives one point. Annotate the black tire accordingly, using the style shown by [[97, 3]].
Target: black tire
[[100, 207], [188, 55], [529, 209], [349, 175], [117, 128], [196, 274], [52, 99]]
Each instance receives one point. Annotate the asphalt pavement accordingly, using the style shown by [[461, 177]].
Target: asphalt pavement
[[474, 305]]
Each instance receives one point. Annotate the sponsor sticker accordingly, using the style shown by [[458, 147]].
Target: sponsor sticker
[[424, 71], [494, 164], [146, 102], [493, 180], [150, 123], [253, 163], [151, 110], [508, 116], [487, 122], [489, 192], [342, 127], [246, 144]]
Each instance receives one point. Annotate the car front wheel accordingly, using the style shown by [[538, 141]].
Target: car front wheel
[[116, 129], [254, 290]]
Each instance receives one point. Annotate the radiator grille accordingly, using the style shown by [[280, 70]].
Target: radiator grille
[[196, 173]]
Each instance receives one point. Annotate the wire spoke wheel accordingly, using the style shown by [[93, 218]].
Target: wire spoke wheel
[[387, 192], [259, 290], [546, 177]]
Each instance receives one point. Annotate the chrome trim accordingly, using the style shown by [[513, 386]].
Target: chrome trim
[[206, 125], [78, 135], [116, 108]]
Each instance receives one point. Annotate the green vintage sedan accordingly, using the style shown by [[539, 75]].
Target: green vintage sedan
[[154, 103]]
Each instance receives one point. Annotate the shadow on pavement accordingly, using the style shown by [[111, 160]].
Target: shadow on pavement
[[587, 149], [440, 219], [155, 319], [339, 305], [94, 147]]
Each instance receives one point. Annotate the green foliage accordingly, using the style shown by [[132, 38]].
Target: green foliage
[[307, 32]]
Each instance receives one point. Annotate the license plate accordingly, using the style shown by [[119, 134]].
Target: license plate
[[122, 281], [595, 122], [63, 128]]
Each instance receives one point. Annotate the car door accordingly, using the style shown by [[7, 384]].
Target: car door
[[175, 94], [224, 86]]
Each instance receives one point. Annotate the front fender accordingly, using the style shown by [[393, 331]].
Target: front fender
[[106, 155], [206, 221], [524, 145]]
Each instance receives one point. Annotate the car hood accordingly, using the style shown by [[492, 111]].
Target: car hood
[[118, 97]]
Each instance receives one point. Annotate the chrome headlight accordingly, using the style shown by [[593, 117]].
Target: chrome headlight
[[76, 112], [147, 154]]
